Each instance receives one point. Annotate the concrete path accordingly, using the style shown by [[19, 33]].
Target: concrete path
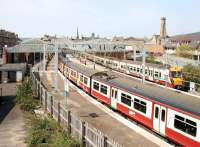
[[12, 123]]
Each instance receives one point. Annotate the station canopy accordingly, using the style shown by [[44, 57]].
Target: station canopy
[[32, 46]]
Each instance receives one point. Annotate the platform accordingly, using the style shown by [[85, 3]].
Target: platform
[[101, 117]]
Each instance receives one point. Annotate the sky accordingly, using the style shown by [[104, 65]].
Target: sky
[[107, 18]]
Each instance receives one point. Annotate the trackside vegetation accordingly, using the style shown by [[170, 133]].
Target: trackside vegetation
[[42, 131], [192, 73]]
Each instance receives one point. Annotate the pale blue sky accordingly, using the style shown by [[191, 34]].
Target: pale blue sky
[[139, 18]]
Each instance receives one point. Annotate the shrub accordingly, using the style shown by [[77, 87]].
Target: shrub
[[25, 96], [192, 73], [45, 132], [185, 51]]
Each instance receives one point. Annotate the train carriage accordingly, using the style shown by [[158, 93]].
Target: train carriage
[[159, 109], [171, 114], [164, 75]]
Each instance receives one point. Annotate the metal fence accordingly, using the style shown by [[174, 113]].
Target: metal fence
[[82, 131]]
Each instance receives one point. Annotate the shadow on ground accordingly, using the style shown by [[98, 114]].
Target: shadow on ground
[[6, 105]]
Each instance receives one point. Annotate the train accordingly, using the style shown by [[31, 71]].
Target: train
[[161, 74], [174, 115]]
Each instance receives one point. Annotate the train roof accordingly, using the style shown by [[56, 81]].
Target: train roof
[[81, 69], [175, 99], [147, 64], [139, 63]]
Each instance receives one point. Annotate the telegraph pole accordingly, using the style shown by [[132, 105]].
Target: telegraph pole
[[134, 54], [94, 60], [66, 91], [44, 57], [56, 66], [143, 64]]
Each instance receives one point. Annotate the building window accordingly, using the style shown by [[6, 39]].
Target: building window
[[140, 105], [185, 125], [126, 99], [104, 89], [85, 80], [96, 86]]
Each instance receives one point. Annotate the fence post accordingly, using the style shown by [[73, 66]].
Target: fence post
[[69, 121], [51, 113], [45, 100], [40, 94], [83, 133], [105, 141], [58, 112]]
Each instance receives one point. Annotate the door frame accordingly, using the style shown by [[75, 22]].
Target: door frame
[[159, 119], [114, 97]]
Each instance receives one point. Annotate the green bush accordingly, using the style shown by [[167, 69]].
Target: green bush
[[185, 51], [25, 96], [192, 73], [151, 59], [46, 133], [29, 104], [62, 139], [40, 132]]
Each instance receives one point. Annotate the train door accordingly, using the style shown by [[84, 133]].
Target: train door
[[159, 119], [114, 95]]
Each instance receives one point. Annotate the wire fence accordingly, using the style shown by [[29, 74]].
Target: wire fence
[[82, 131]]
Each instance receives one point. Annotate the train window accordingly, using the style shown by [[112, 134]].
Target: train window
[[112, 93], [115, 94], [146, 71], [185, 125], [140, 105], [163, 115], [159, 74], [104, 89], [151, 73], [156, 74], [85, 80], [138, 69], [126, 99], [191, 127], [156, 112], [141, 70], [96, 86], [81, 78]]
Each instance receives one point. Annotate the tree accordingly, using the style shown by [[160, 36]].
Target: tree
[[185, 51], [192, 73]]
